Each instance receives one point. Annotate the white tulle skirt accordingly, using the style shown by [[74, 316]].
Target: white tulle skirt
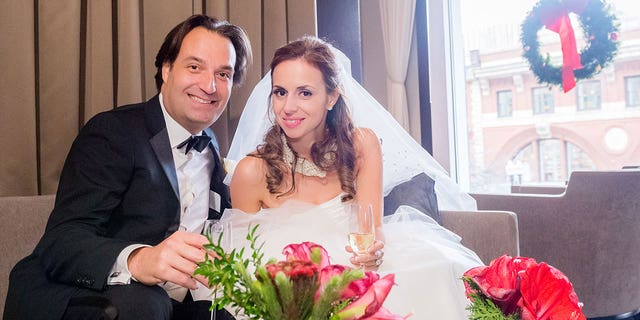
[[427, 260]]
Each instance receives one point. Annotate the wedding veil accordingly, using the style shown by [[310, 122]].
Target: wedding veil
[[403, 157]]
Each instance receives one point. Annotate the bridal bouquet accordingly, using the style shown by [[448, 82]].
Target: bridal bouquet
[[304, 286], [520, 289]]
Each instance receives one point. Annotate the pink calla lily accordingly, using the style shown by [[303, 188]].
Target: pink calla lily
[[370, 302], [384, 314], [326, 274], [359, 287], [305, 251]]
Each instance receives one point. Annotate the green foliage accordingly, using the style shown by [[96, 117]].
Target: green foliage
[[235, 286], [260, 297], [325, 305]]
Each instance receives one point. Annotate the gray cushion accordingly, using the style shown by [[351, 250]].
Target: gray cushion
[[418, 192]]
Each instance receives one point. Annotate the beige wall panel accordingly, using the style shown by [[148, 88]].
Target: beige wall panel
[[159, 17], [275, 30], [130, 81], [374, 70], [99, 64], [59, 70], [18, 159], [218, 8], [197, 7], [301, 19], [246, 14]]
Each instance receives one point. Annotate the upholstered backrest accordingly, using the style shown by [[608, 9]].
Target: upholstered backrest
[[23, 222], [489, 234], [419, 192], [590, 233]]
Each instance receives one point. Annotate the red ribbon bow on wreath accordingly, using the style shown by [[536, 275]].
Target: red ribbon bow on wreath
[[558, 21]]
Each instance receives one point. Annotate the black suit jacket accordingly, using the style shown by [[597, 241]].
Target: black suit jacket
[[118, 187]]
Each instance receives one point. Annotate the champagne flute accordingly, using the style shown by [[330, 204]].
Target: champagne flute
[[218, 230], [361, 227]]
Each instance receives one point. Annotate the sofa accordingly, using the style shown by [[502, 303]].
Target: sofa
[[589, 231], [490, 233]]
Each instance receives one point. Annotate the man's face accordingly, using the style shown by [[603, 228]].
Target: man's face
[[196, 88]]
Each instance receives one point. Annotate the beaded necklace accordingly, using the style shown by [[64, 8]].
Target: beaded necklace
[[303, 166]]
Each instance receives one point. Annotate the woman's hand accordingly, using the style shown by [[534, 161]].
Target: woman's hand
[[371, 260]]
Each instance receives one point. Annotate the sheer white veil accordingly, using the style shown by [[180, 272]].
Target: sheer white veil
[[403, 157]]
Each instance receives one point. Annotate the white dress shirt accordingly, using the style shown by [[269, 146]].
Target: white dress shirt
[[194, 170]]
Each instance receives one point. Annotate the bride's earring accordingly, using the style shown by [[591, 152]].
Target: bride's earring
[[330, 107]]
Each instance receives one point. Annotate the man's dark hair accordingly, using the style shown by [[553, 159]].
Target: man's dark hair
[[173, 41]]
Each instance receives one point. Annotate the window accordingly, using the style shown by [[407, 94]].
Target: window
[[550, 160], [588, 95], [505, 103], [542, 162], [632, 91], [577, 159], [542, 100], [529, 147]]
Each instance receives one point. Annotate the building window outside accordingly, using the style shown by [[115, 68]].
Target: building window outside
[[505, 103], [550, 160], [632, 91], [542, 100], [490, 164], [577, 159], [588, 95], [547, 162]]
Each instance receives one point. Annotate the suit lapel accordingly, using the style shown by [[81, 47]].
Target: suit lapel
[[160, 142], [217, 177], [162, 148]]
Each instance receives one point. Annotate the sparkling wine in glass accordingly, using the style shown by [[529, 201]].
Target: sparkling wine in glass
[[361, 227]]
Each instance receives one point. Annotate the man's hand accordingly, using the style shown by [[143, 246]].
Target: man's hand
[[174, 260]]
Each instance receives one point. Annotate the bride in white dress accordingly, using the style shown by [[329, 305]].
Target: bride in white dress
[[314, 159]]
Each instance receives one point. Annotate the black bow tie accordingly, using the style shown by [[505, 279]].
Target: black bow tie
[[195, 142]]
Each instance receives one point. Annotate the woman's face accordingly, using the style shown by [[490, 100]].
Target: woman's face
[[300, 101]]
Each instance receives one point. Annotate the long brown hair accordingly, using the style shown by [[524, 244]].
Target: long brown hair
[[336, 151]]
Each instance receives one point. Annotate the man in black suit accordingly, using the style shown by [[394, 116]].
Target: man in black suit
[[124, 236]]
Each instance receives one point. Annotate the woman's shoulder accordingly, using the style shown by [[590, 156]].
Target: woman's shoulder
[[247, 168], [248, 184]]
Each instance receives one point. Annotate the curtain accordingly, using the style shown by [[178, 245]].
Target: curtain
[[397, 27], [64, 61]]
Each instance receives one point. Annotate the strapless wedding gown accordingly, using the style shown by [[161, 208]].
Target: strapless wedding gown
[[427, 260]]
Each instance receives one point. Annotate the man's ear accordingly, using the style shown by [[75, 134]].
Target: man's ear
[[166, 67]]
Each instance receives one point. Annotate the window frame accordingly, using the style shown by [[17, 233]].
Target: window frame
[[546, 92], [628, 103], [499, 110], [579, 95]]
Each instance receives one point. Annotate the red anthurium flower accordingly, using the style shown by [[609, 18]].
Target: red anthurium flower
[[500, 281], [307, 251], [547, 294], [370, 302]]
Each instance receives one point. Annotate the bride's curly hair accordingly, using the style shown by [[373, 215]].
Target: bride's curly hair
[[336, 151]]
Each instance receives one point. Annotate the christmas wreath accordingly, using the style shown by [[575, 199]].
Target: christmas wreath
[[601, 35]]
